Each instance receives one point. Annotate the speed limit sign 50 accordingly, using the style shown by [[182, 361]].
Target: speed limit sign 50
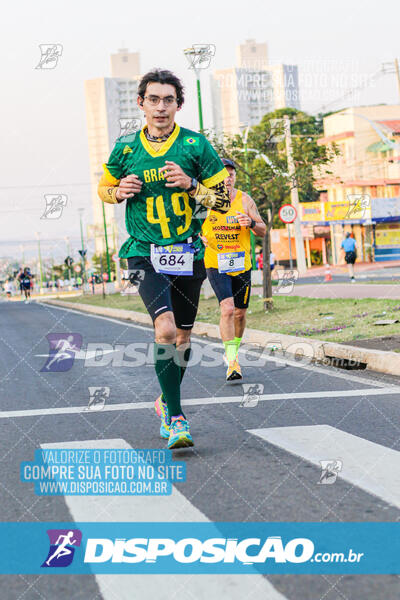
[[287, 213]]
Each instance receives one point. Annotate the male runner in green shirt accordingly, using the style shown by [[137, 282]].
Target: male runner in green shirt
[[163, 172]]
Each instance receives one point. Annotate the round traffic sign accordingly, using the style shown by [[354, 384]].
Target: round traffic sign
[[77, 268], [287, 213]]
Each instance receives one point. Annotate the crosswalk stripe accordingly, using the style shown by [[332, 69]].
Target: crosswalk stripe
[[372, 467], [35, 412], [175, 507]]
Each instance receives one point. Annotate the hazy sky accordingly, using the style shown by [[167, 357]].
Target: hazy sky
[[43, 123]]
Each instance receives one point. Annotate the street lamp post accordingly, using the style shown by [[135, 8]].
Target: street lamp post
[[193, 55], [83, 253], [106, 240]]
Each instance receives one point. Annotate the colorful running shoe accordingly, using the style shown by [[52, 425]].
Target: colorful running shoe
[[179, 434], [161, 409], [233, 371]]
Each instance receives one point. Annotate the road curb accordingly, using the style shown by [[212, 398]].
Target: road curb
[[374, 360]]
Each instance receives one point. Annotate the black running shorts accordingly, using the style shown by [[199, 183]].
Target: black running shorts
[[237, 287], [161, 293]]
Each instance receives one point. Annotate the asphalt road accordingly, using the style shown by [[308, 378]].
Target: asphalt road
[[233, 473]]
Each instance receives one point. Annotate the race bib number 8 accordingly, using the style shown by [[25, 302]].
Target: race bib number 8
[[230, 262], [176, 259]]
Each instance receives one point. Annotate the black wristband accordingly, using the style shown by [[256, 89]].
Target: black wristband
[[193, 185], [252, 224]]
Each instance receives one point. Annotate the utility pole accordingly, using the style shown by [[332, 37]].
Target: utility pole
[[40, 259], [396, 66], [294, 195], [246, 165], [393, 67]]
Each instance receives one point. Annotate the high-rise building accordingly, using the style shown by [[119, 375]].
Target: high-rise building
[[252, 55], [111, 109], [242, 95]]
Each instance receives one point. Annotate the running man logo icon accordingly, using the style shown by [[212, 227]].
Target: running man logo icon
[[63, 347], [329, 471], [54, 206], [62, 547], [287, 279], [97, 397], [50, 53], [251, 394], [132, 279]]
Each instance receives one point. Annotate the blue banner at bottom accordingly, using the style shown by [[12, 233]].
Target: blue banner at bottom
[[201, 548]]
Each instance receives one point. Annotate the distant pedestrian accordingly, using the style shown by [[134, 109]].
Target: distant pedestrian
[[8, 288], [350, 254]]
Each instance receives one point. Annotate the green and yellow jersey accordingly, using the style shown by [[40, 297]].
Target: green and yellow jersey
[[162, 215]]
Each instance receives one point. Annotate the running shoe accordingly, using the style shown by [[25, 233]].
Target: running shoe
[[238, 369], [179, 434], [233, 371], [162, 411]]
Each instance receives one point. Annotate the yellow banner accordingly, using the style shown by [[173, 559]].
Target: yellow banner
[[344, 210], [387, 237], [312, 211]]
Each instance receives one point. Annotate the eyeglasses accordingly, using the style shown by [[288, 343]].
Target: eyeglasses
[[155, 100]]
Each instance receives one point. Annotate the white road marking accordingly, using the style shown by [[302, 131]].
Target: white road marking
[[175, 507], [82, 354], [284, 361], [372, 467], [7, 414]]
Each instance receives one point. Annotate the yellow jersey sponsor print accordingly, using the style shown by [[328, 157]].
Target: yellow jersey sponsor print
[[224, 234]]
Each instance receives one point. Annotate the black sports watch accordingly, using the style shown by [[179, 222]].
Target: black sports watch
[[252, 224], [193, 185]]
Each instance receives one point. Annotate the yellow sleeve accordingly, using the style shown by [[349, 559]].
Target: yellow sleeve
[[107, 191]]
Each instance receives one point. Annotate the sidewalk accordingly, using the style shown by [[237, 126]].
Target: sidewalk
[[362, 267], [344, 290]]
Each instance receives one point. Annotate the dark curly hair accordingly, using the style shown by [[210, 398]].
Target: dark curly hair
[[162, 76]]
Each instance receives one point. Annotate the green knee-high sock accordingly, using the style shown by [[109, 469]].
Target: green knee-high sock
[[238, 341], [184, 357], [230, 350], [169, 376]]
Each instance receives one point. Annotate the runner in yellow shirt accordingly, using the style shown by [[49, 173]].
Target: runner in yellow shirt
[[228, 263]]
